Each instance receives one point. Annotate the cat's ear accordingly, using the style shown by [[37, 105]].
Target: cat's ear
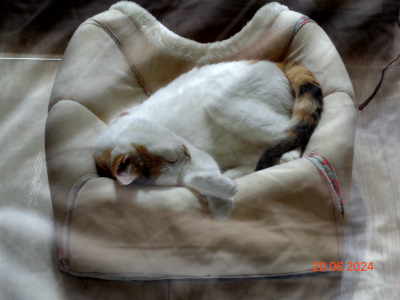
[[124, 170]]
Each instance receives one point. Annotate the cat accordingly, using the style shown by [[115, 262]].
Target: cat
[[211, 125]]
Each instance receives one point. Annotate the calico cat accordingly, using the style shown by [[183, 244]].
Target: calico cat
[[212, 125]]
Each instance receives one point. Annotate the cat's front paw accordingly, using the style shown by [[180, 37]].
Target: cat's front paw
[[223, 187], [211, 184], [220, 208]]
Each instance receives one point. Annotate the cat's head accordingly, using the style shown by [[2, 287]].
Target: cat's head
[[140, 151]]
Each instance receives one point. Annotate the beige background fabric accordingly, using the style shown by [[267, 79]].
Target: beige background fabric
[[366, 45]]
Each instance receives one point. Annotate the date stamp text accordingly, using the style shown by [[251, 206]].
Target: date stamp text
[[338, 266]]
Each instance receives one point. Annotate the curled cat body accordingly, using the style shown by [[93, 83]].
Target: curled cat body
[[211, 125]]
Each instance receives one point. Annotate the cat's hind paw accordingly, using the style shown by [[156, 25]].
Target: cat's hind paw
[[220, 208], [289, 156]]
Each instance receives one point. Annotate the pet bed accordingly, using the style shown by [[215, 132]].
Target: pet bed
[[286, 217]]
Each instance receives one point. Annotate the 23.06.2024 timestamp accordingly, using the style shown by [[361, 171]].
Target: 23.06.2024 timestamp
[[338, 266]]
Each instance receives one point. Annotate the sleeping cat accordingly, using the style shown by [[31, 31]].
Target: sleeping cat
[[212, 125]]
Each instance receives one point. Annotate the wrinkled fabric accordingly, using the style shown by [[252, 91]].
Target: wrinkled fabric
[[366, 38]]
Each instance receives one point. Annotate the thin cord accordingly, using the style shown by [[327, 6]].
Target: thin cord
[[365, 103]]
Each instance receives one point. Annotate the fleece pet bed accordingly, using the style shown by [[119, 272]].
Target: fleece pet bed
[[286, 217]]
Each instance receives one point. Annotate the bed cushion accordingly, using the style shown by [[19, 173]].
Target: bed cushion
[[286, 217]]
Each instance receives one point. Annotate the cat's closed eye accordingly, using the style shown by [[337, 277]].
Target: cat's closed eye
[[169, 153], [170, 162]]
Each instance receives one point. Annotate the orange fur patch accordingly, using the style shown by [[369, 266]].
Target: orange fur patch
[[297, 75], [305, 103], [125, 113], [306, 108], [292, 135], [148, 166], [281, 66], [305, 117], [185, 150], [103, 161], [252, 61]]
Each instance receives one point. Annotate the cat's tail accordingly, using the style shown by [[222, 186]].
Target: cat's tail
[[306, 114]]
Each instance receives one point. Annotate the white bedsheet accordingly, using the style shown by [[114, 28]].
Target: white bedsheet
[[28, 258]]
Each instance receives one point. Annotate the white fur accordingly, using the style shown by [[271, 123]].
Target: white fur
[[186, 49], [224, 114]]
